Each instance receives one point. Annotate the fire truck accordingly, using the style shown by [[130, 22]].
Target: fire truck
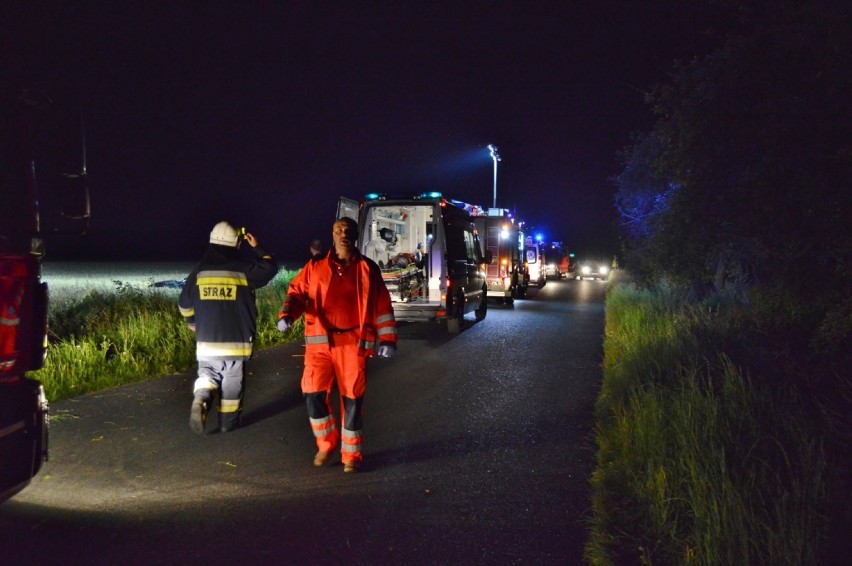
[[428, 250], [28, 130], [559, 264], [504, 238]]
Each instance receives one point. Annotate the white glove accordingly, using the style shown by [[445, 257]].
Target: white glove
[[284, 324], [386, 351]]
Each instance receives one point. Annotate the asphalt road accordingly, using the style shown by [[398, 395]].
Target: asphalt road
[[478, 449]]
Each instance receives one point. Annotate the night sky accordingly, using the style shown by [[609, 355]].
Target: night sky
[[264, 114]]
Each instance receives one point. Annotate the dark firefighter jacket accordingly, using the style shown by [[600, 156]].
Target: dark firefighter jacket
[[218, 301]]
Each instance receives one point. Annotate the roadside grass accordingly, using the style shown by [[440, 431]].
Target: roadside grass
[[107, 338], [697, 464]]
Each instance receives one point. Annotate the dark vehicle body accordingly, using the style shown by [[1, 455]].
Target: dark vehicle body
[[28, 129], [429, 252]]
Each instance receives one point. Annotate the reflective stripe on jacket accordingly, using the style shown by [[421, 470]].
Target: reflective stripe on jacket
[[307, 293], [218, 299]]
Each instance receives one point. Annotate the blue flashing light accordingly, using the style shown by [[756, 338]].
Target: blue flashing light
[[431, 194], [372, 196], [539, 237]]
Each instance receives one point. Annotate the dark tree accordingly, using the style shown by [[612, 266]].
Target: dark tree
[[745, 178]]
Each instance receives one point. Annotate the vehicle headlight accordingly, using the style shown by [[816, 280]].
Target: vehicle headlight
[[604, 269], [586, 269]]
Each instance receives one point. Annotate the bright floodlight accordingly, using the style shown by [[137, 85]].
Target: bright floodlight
[[495, 157]]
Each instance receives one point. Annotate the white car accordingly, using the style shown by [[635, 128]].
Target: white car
[[592, 269]]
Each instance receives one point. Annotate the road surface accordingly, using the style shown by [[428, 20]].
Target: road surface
[[478, 449]]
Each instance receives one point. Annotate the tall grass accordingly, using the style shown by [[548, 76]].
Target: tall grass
[[696, 464], [104, 338]]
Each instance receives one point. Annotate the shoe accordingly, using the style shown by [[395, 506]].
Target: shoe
[[321, 458], [229, 423], [198, 416], [351, 467]]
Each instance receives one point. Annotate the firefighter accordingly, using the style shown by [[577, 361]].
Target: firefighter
[[218, 304], [348, 318]]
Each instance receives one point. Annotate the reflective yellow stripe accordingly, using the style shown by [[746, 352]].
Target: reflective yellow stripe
[[387, 330], [221, 277], [385, 318], [321, 339], [223, 349], [187, 312], [229, 405], [202, 383]]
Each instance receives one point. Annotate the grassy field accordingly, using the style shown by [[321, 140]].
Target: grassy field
[[699, 461], [108, 325]]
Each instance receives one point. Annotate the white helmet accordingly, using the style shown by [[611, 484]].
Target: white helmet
[[224, 234]]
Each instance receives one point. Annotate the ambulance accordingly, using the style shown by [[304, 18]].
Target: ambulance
[[535, 260], [428, 249]]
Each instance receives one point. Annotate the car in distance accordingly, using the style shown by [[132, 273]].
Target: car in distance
[[591, 269], [552, 271]]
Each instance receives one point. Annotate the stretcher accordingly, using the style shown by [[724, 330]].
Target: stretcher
[[403, 283]]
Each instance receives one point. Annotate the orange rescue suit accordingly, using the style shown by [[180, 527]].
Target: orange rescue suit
[[348, 313]]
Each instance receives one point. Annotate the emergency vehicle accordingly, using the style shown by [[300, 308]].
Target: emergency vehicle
[[504, 238], [560, 262], [23, 295], [534, 252], [429, 252]]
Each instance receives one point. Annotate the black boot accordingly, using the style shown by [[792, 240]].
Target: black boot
[[229, 421], [198, 415]]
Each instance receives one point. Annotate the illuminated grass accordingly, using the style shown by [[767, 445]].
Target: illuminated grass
[[130, 332], [695, 463]]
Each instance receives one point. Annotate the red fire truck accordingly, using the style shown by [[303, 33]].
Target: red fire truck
[[504, 238], [26, 130]]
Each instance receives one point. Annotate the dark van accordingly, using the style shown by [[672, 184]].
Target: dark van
[[429, 252]]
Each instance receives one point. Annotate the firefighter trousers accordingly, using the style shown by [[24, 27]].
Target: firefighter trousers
[[340, 364], [227, 377]]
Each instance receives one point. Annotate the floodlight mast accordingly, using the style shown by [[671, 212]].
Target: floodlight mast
[[495, 157]]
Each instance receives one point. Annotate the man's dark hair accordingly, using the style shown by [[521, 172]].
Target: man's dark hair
[[351, 224]]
